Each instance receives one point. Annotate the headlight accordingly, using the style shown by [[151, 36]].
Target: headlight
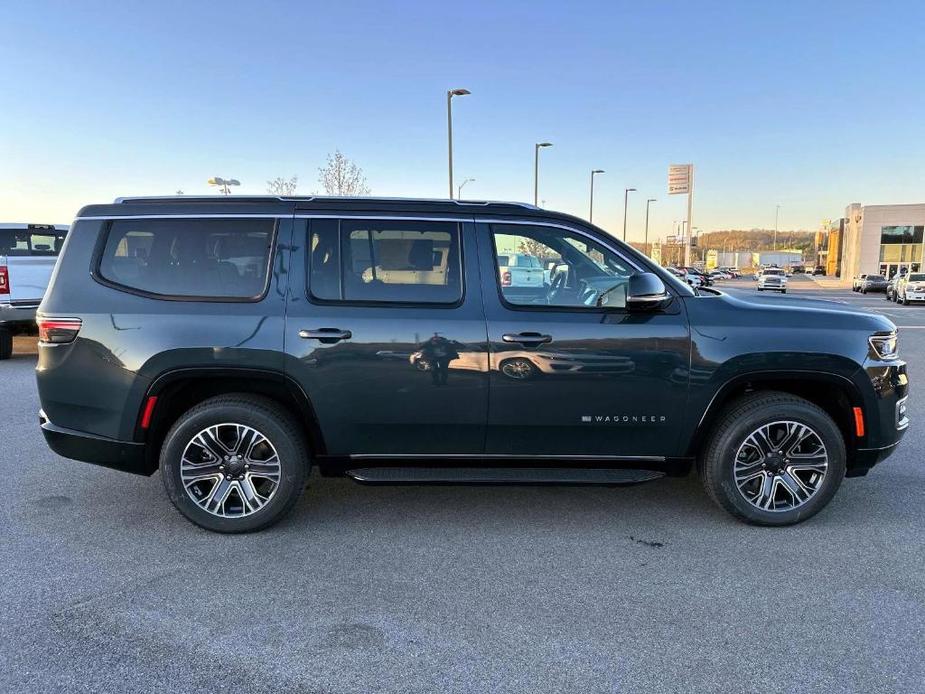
[[884, 345]]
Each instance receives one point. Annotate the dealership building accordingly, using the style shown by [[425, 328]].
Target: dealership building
[[876, 239]]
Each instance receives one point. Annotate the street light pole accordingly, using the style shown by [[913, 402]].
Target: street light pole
[[626, 194], [536, 170], [776, 220], [591, 206], [449, 128], [645, 245], [223, 183], [459, 189]]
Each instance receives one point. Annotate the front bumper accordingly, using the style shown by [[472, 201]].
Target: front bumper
[[885, 415], [127, 456], [18, 311]]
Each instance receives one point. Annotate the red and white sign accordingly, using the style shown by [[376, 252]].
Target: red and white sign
[[679, 179]]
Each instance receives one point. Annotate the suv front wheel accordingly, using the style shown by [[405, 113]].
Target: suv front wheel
[[234, 463], [774, 459]]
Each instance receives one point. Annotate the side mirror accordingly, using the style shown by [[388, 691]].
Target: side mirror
[[646, 292]]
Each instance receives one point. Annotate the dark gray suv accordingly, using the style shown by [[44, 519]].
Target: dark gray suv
[[234, 343]]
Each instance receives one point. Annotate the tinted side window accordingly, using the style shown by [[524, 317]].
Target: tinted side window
[[387, 261], [557, 267], [196, 258]]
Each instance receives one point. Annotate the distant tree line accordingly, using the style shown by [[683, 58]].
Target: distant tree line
[[757, 240]]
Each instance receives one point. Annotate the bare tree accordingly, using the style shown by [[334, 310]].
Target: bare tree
[[282, 186], [342, 177], [537, 249]]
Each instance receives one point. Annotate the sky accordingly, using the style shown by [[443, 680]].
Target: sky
[[807, 105]]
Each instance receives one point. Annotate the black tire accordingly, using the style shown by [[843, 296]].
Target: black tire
[[265, 416], [783, 291], [863, 291], [6, 344], [737, 422]]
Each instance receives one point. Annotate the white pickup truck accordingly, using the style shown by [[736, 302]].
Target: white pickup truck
[[28, 253]]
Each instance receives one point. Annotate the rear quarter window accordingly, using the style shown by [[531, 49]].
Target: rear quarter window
[[217, 259]]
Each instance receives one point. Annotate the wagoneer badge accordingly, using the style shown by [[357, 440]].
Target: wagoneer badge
[[623, 419]]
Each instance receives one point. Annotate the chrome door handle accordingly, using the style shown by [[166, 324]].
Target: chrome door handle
[[327, 336], [527, 338]]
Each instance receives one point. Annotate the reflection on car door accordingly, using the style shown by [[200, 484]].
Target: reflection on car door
[[568, 378], [386, 336]]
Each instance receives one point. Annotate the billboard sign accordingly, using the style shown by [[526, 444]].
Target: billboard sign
[[679, 179]]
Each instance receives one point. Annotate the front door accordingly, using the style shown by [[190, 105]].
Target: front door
[[569, 378], [386, 336]]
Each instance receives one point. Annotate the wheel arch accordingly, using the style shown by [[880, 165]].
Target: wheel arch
[[181, 389], [834, 393]]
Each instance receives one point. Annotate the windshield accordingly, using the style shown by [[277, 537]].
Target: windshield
[[917, 277], [528, 261], [773, 272]]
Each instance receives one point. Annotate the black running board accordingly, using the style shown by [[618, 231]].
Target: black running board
[[500, 475]]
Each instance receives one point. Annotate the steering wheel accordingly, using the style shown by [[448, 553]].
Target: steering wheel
[[587, 294], [558, 284]]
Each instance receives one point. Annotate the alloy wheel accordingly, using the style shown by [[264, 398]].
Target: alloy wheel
[[518, 369], [780, 466], [230, 470]]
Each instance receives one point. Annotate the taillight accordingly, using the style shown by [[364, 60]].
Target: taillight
[[56, 331], [506, 279], [4, 280]]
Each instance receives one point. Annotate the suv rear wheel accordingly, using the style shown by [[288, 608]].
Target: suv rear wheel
[[234, 463], [774, 459]]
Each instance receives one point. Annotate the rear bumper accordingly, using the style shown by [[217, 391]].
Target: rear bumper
[[127, 456], [18, 311]]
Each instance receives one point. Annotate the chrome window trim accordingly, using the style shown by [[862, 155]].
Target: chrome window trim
[[423, 216]]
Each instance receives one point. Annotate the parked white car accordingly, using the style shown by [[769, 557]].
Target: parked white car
[[28, 253], [911, 288], [772, 279]]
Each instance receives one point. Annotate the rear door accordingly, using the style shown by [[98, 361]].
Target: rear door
[[571, 379], [385, 334]]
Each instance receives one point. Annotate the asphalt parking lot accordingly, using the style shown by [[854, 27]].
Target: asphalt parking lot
[[459, 589]]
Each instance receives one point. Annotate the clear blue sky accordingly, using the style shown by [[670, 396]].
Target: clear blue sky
[[810, 105]]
